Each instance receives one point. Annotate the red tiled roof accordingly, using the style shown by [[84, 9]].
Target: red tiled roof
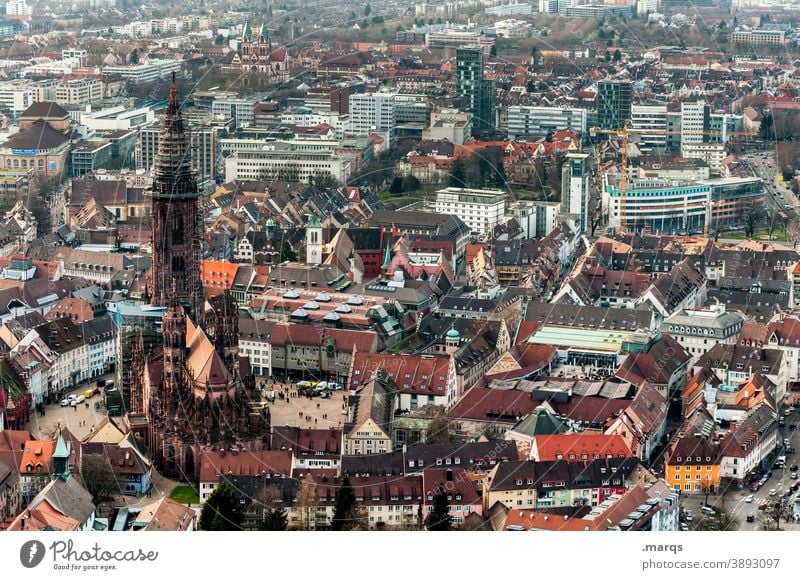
[[216, 463], [485, 404], [305, 334], [552, 447], [416, 374]]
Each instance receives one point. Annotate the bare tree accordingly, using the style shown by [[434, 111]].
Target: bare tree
[[792, 232], [307, 502], [98, 478]]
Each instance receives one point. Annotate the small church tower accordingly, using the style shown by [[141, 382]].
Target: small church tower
[[451, 340], [61, 459], [313, 241]]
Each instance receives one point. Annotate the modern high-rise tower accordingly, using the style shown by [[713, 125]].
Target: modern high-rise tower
[[475, 92], [614, 103]]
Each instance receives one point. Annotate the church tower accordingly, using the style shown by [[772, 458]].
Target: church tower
[[313, 241], [174, 332], [175, 215]]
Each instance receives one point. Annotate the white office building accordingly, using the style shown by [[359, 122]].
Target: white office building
[[537, 122], [241, 110], [146, 72], [712, 153], [285, 161], [480, 209], [575, 188], [16, 96], [694, 122], [649, 125], [372, 112]]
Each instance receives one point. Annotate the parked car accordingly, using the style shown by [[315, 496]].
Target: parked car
[[688, 515], [793, 475], [762, 506], [773, 492], [684, 527], [77, 400], [754, 487], [793, 467], [749, 498], [65, 402], [707, 510]]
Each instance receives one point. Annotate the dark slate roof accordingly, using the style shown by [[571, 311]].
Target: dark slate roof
[[45, 110], [39, 135]]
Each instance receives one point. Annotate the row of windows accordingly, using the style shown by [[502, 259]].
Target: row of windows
[[24, 162]]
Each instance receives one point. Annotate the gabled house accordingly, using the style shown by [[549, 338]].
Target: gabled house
[[373, 407]]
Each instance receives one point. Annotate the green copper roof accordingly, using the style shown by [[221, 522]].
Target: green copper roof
[[540, 422], [313, 222], [453, 334], [387, 258], [61, 448]]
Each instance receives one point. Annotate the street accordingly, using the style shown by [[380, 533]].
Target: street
[[734, 500]]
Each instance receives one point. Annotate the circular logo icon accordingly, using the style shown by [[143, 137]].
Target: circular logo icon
[[31, 553]]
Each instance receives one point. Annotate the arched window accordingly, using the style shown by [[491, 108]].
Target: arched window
[[177, 264]]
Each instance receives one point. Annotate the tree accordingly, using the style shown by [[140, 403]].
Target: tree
[[459, 174], [410, 183], [307, 502], [344, 510], [221, 510], [367, 10], [617, 55], [268, 502], [396, 188], [325, 181], [439, 519], [767, 128], [274, 520], [500, 178], [493, 51], [98, 478], [287, 254], [439, 430], [135, 56], [793, 232], [751, 217], [777, 509]]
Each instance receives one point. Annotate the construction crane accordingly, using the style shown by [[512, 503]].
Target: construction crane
[[624, 135]]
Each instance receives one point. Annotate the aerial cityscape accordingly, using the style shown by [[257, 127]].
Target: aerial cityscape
[[483, 265]]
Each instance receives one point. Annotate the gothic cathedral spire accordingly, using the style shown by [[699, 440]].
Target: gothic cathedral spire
[[175, 215]]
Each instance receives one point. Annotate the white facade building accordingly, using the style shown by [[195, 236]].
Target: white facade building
[[649, 123], [372, 112], [575, 187], [286, 162], [524, 121], [145, 72], [480, 209]]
